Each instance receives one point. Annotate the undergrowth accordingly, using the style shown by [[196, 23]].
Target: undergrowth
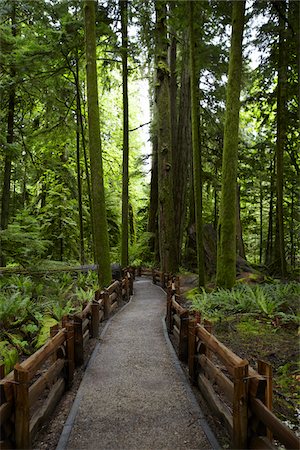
[[30, 305]]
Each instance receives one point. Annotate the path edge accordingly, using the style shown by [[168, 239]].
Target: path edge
[[65, 434]]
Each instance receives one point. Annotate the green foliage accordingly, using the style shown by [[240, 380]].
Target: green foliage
[[268, 301]]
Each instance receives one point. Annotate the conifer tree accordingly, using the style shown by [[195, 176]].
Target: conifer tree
[[226, 258], [101, 242]]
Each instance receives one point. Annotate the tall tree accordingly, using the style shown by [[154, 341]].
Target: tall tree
[[125, 180], [279, 255], [10, 137], [197, 166], [101, 241], [167, 240], [226, 258]]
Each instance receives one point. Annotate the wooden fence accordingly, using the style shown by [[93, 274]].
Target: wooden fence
[[29, 394], [239, 396]]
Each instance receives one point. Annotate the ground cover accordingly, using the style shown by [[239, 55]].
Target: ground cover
[[260, 321], [30, 305]]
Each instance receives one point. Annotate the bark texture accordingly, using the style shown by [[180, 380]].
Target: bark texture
[[101, 241], [226, 261], [167, 240], [197, 165], [125, 180]]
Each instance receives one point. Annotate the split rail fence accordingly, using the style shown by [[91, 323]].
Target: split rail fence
[[240, 396], [29, 394]]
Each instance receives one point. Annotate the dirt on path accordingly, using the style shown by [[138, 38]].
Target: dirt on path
[[133, 394]]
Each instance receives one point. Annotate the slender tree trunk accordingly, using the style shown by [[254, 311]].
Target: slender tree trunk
[[153, 208], [269, 247], [79, 186], [166, 224], [124, 246], [101, 240], [10, 139], [280, 262], [260, 221], [197, 165], [239, 229], [292, 230], [226, 259]]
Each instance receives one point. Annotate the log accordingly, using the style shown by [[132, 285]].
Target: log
[[113, 297], [43, 413], [113, 307], [101, 303], [214, 402], [45, 380], [22, 416], [240, 406], [183, 337], [86, 312], [178, 308], [35, 361], [6, 389], [78, 341], [113, 287], [69, 331], [215, 375], [280, 431], [192, 350], [95, 319], [86, 337], [257, 382], [101, 316], [106, 304], [177, 321], [265, 369], [169, 318], [85, 325], [5, 412]]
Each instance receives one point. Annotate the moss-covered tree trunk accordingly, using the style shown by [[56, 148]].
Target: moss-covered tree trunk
[[101, 241], [226, 258], [125, 180], [197, 165], [153, 207], [10, 139], [166, 225], [279, 254]]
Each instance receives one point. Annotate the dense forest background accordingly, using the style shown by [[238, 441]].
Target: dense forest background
[[45, 168]]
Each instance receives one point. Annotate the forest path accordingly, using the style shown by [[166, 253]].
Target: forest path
[[134, 394]]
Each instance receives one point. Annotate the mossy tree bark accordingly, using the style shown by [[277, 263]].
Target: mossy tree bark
[[197, 166], [226, 258], [125, 180], [101, 241], [5, 201], [279, 254], [166, 225]]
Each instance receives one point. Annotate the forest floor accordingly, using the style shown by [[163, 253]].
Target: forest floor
[[254, 337]]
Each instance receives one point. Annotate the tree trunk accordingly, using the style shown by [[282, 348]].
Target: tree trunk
[[10, 139], [280, 262], [182, 154], [125, 180], [239, 229], [153, 207], [197, 165], [226, 260], [269, 247], [167, 239], [101, 240]]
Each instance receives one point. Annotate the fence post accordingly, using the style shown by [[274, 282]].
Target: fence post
[[183, 336], [95, 319], [70, 352], [192, 349], [78, 341], [265, 369], [130, 279], [2, 371], [153, 276], [139, 271], [22, 413], [169, 310], [240, 406], [106, 304], [208, 327]]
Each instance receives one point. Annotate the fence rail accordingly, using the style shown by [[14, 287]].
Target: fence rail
[[29, 394], [239, 395]]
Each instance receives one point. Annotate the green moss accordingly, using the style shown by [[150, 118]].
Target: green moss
[[44, 334], [189, 295], [249, 327]]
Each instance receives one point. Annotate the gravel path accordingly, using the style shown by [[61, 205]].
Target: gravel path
[[133, 394]]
